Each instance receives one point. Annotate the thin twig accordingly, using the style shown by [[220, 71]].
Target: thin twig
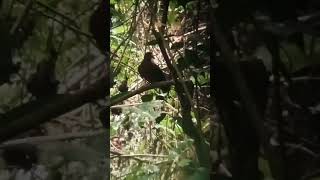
[[45, 139], [74, 29], [55, 12], [132, 28], [168, 57], [144, 155], [16, 25]]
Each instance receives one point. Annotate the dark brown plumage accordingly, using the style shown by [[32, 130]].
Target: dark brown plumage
[[43, 83], [149, 71], [124, 86]]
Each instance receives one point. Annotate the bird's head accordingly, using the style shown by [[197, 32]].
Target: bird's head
[[148, 56]]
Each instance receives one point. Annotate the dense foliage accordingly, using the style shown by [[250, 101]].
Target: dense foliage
[[148, 138], [258, 120], [52, 73]]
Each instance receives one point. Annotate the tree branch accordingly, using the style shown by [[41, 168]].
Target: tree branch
[[138, 91], [186, 103], [19, 120]]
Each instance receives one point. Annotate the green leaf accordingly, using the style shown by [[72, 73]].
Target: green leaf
[[184, 162], [147, 97], [200, 174], [119, 30], [296, 59]]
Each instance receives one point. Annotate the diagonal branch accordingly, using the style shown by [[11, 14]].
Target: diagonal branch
[[138, 91], [44, 110]]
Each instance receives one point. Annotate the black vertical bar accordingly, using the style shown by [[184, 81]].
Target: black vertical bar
[[108, 31]]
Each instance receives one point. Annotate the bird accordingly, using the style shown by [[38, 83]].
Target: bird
[[149, 71], [124, 86], [42, 83]]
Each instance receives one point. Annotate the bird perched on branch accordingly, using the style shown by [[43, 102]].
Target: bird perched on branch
[[149, 71], [124, 86], [42, 83]]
